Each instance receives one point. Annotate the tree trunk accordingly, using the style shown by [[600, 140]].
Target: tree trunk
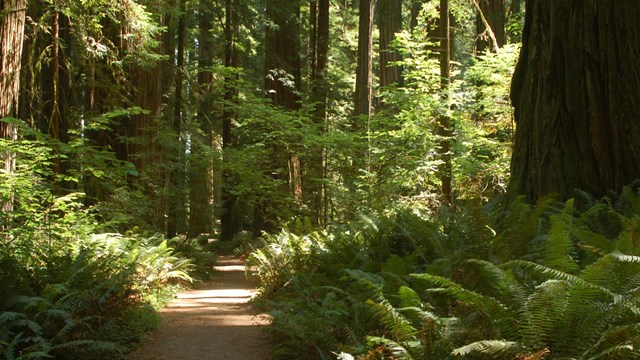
[[389, 23], [416, 7], [200, 190], [282, 64], [515, 6], [575, 92], [176, 173], [494, 14], [314, 177], [11, 42], [228, 222], [363, 93], [445, 130], [362, 106]]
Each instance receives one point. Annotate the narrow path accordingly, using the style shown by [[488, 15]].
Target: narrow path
[[212, 322]]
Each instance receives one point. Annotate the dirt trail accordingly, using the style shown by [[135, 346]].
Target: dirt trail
[[211, 322]]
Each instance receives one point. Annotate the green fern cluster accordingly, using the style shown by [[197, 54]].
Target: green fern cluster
[[553, 281], [87, 299]]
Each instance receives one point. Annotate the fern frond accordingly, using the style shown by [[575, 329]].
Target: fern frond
[[501, 316], [91, 346], [622, 334], [486, 347], [35, 355], [399, 328], [617, 255], [468, 297], [409, 298], [397, 350], [558, 247], [10, 316], [547, 273], [543, 312], [617, 352]]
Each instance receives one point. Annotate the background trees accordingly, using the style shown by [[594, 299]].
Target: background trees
[[197, 118]]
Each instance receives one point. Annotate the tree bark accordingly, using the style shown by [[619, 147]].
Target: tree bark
[[314, 176], [575, 92], [228, 222], [11, 42], [444, 130], [200, 189], [363, 92], [176, 173], [362, 105], [389, 23]]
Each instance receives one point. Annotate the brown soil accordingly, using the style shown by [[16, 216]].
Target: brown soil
[[212, 322]]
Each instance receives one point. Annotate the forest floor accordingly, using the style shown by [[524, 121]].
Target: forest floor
[[214, 321]]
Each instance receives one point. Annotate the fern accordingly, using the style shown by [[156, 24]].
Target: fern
[[468, 297], [617, 352], [487, 347], [396, 350], [542, 311], [558, 247], [396, 324]]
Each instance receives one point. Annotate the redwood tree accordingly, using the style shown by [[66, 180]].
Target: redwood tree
[[282, 84], [11, 39], [575, 92], [390, 22]]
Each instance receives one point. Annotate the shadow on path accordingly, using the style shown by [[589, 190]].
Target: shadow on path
[[211, 322]]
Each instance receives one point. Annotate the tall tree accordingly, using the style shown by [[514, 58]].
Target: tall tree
[[56, 89], [176, 173], [11, 40], [575, 92], [363, 93], [283, 85], [389, 23], [314, 178], [362, 106], [228, 222], [444, 129], [200, 189]]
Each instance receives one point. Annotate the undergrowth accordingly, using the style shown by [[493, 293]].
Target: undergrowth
[[550, 281], [72, 288]]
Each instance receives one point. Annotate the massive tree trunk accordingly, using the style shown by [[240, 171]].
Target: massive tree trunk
[[390, 22], [494, 14], [12, 17], [575, 92]]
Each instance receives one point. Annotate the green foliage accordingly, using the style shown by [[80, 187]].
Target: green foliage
[[70, 289], [453, 293]]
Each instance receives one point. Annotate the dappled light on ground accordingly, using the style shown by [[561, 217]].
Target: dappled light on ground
[[213, 321]]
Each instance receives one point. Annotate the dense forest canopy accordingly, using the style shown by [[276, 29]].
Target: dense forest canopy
[[393, 137]]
